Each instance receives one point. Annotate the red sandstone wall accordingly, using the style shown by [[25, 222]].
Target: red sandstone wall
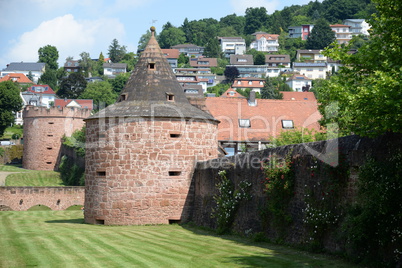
[[23, 198], [132, 168], [43, 130]]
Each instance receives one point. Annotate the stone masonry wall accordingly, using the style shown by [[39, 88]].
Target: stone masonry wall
[[43, 131], [138, 171], [353, 151], [56, 198]]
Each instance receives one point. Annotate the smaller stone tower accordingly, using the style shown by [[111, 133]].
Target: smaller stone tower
[[141, 151], [43, 131]]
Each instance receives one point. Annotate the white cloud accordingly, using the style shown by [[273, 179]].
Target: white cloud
[[69, 36], [240, 6]]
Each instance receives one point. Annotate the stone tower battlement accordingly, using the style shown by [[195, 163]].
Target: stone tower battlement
[[43, 130]]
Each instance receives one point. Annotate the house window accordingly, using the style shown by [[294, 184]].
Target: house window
[[244, 123], [287, 124]]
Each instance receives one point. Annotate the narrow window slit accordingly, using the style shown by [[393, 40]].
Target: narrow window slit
[[174, 173]]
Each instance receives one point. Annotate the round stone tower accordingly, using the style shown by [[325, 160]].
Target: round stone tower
[[43, 131], [141, 151]]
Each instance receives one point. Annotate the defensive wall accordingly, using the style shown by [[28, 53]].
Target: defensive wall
[[56, 198], [314, 163]]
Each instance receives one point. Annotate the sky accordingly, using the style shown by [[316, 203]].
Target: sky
[[76, 26]]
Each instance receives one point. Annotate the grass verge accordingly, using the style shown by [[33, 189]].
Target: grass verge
[[34, 178], [60, 239]]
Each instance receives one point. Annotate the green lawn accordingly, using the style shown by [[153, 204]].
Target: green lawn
[[60, 239], [8, 133], [12, 168], [34, 178]]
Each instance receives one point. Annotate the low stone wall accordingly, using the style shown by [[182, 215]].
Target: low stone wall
[[56, 198], [349, 152]]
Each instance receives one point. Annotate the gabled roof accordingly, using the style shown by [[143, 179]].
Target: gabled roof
[[298, 77], [153, 91], [231, 39], [41, 89], [85, 104], [17, 77], [185, 46], [245, 82], [265, 118], [298, 96], [171, 53], [277, 58], [115, 65], [241, 59], [212, 62], [26, 66], [258, 35], [231, 93], [309, 51]]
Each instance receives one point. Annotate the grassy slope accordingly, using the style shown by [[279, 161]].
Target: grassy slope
[[60, 239], [31, 177]]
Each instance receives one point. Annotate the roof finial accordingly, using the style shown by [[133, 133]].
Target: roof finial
[[152, 30]]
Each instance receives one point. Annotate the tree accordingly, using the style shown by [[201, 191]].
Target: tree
[[30, 76], [49, 77], [365, 97], [321, 36], [182, 60], [259, 58], [234, 21], [270, 90], [119, 82], [116, 52], [99, 64], [72, 86], [231, 72], [101, 93], [256, 19], [49, 55], [131, 60], [10, 103], [86, 63], [142, 43], [213, 48], [171, 36]]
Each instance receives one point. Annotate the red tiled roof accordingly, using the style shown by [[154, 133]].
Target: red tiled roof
[[231, 93], [64, 102], [171, 53], [47, 89], [212, 62], [298, 96], [244, 83], [265, 118], [17, 77]]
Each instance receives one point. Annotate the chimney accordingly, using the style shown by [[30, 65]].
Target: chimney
[[251, 100]]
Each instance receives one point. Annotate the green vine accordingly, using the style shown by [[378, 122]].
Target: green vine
[[227, 201], [279, 188], [373, 226], [324, 209]]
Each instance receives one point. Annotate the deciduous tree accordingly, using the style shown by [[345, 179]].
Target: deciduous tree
[[270, 89], [256, 19], [321, 36], [10, 103], [72, 86], [365, 97], [101, 93], [49, 55], [171, 36], [231, 72]]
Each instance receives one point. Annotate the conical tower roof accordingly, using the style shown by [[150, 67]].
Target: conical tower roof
[[153, 90]]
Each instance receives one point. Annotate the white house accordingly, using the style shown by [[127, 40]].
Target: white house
[[36, 69], [113, 69], [311, 70], [342, 33], [299, 82], [311, 55], [265, 42], [357, 26], [232, 45]]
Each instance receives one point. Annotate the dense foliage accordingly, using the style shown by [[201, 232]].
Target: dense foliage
[[72, 86], [101, 93], [10, 103], [321, 36], [366, 93], [49, 55]]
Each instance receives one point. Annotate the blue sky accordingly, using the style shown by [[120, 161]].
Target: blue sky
[[75, 26]]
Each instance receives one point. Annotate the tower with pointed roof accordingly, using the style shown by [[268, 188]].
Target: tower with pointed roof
[[141, 150]]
